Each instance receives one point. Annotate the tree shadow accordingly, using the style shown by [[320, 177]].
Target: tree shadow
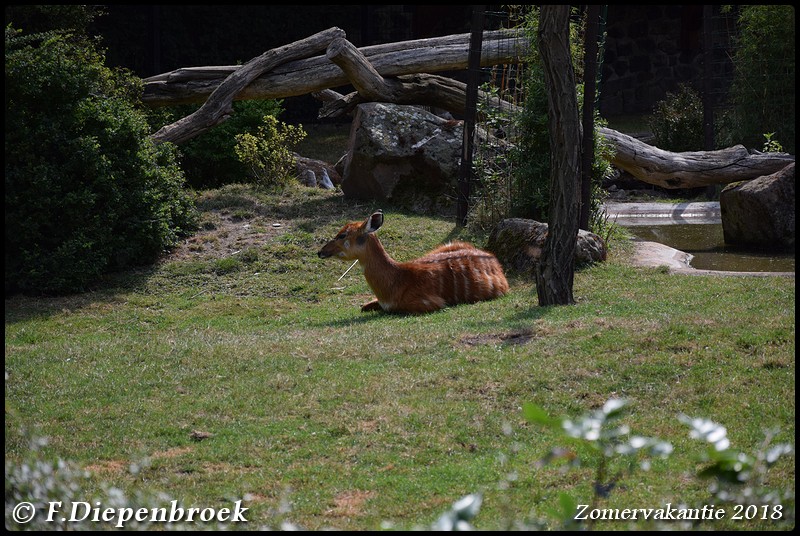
[[24, 307]]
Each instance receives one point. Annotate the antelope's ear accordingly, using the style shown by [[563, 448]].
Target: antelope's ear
[[374, 222]]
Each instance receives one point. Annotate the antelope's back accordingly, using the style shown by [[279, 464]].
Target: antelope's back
[[461, 273]]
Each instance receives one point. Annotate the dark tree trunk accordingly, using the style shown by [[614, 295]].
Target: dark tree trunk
[[555, 272], [589, 92]]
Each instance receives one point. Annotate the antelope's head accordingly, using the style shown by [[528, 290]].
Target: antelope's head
[[351, 241]]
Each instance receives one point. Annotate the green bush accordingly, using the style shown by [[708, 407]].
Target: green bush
[[677, 122], [762, 95], [268, 153], [209, 160], [86, 190]]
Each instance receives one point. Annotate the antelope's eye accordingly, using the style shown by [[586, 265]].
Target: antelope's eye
[[340, 236]]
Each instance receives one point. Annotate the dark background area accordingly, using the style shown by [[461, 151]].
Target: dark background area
[[155, 39], [648, 50]]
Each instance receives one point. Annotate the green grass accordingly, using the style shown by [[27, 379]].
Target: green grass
[[361, 418]]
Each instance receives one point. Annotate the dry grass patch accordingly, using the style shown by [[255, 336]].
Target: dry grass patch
[[349, 503]]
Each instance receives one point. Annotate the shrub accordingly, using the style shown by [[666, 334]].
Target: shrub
[[677, 122], [762, 94], [210, 160], [86, 190], [268, 153]]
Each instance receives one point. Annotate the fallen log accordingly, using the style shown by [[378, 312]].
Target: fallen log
[[391, 73], [690, 169], [195, 84], [371, 86], [218, 107]]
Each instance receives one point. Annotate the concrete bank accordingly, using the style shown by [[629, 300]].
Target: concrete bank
[[664, 213], [655, 254]]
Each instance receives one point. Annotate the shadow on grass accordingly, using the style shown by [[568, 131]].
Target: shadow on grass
[[313, 211], [21, 307]]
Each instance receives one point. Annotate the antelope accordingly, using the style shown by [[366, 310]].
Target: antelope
[[451, 274]]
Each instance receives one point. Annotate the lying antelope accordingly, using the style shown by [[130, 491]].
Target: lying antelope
[[450, 274]]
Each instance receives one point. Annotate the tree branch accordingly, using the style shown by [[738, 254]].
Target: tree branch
[[219, 105]]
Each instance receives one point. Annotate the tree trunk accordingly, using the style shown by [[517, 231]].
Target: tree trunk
[[555, 272], [691, 169], [194, 85], [589, 92], [219, 105]]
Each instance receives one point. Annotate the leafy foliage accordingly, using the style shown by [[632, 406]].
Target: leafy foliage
[[738, 478], [771, 145], [762, 95], [86, 191], [458, 517], [268, 153], [210, 159], [677, 122], [619, 451], [46, 18], [45, 483], [515, 180]]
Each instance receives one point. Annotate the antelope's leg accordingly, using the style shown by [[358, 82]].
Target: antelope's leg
[[371, 306]]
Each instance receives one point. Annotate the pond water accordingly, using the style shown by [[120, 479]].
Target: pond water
[[706, 243]]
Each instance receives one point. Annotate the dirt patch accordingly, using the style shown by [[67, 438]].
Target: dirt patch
[[172, 453], [224, 233], [349, 503], [108, 467]]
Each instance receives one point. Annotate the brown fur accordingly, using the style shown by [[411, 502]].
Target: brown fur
[[450, 274]]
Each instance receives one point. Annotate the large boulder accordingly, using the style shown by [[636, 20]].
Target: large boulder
[[760, 212], [518, 244], [401, 153]]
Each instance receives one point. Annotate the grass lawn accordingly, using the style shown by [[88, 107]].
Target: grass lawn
[[355, 418]]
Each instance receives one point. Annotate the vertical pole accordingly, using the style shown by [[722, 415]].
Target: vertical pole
[[589, 91], [708, 103], [470, 113], [154, 31]]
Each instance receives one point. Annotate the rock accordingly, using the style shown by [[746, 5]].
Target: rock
[[401, 152], [319, 169], [308, 178], [518, 244], [760, 212], [325, 181]]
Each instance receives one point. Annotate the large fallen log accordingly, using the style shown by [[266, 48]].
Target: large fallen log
[[690, 169], [371, 86], [219, 105], [194, 85], [382, 72]]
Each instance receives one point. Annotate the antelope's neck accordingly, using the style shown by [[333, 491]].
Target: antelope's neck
[[380, 270]]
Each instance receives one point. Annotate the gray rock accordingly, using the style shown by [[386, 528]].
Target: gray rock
[[308, 178], [325, 181], [760, 212], [518, 244], [401, 152]]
